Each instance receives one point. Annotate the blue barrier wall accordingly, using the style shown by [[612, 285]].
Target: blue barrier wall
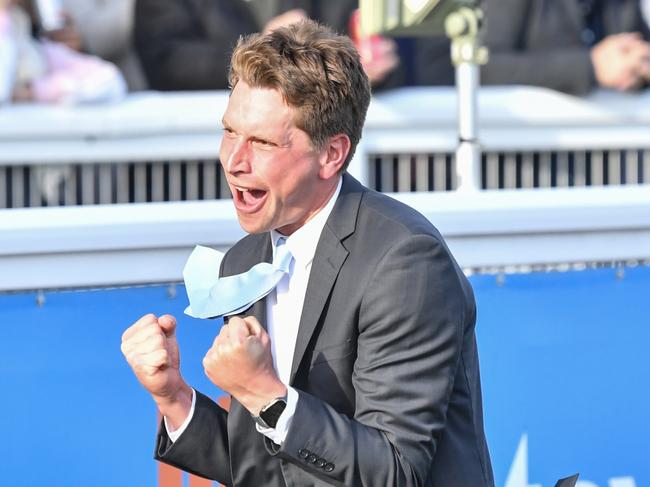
[[564, 366], [564, 359]]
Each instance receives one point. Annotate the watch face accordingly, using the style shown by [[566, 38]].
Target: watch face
[[271, 413]]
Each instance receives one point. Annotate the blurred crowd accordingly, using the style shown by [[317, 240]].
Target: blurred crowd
[[78, 51]]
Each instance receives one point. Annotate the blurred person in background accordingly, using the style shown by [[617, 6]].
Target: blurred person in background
[[380, 56], [104, 28], [43, 65], [567, 45], [186, 44], [432, 61], [46, 67]]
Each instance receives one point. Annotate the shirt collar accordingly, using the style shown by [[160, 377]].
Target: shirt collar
[[302, 243]]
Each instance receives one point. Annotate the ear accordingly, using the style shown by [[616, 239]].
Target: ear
[[333, 156]]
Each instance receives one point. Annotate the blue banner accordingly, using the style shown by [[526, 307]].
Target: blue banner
[[564, 363], [566, 373]]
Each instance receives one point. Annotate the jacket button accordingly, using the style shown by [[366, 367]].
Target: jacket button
[[320, 463], [302, 453], [328, 467], [312, 458]]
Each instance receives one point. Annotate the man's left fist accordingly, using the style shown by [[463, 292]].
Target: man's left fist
[[240, 363]]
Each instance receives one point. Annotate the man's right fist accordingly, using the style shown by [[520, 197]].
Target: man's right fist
[[151, 349]]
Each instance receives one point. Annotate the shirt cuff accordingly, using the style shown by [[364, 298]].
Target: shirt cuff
[[176, 434], [279, 433]]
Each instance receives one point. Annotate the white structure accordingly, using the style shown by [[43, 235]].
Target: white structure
[[154, 147], [160, 147], [109, 245]]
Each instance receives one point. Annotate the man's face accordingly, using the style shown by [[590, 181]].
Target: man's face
[[273, 171]]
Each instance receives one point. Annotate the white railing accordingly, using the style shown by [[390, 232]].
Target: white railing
[[157, 126], [531, 137], [147, 243]]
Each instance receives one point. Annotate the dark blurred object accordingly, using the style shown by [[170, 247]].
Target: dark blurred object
[[567, 482], [186, 44], [432, 64], [551, 43], [334, 13]]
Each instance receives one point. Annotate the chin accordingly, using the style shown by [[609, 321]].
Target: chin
[[251, 226]]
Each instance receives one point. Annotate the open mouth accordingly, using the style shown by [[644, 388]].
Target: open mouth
[[248, 200]]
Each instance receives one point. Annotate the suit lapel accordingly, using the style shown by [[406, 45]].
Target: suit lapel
[[328, 259], [259, 308], [265, 254]]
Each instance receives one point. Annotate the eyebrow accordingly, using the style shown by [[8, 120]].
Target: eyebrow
[[266, 137]]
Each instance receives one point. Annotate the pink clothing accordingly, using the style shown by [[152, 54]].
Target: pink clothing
[[55, 73], [5, 22], [72, 77]]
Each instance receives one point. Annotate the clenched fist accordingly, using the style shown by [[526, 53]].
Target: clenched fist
[[240, 363], [151, 349]]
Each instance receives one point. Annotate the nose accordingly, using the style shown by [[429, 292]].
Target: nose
[[238, 160]]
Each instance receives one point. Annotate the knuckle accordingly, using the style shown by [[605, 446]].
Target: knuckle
[[152, 327], [157, 341]]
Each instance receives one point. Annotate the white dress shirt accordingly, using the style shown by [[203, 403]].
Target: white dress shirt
[[283, 310]]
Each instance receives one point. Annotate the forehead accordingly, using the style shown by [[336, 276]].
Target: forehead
[[253, 109]]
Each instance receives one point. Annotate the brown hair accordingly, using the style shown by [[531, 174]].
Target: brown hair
[[317, 72]]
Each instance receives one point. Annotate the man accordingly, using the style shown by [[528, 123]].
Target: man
[[570, 46], [361, 367]]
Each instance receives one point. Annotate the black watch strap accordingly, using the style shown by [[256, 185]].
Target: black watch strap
[[270, 413]]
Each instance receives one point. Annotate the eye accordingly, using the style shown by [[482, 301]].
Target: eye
[[263, 142]]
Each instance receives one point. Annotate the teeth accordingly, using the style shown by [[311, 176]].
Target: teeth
[[243, 190]]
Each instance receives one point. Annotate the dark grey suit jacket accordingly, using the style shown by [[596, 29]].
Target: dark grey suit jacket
[[385, 365], [538, 42]]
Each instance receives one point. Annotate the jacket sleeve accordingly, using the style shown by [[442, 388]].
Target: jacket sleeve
[[186, 45], [207, 429], [410, 332], [563, 68]]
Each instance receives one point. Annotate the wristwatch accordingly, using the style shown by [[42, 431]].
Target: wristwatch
[[270, 413]]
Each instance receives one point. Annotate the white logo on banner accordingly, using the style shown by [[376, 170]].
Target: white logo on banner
[[518, 474]]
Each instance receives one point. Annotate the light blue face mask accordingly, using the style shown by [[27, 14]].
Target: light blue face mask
[[212, 297]]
